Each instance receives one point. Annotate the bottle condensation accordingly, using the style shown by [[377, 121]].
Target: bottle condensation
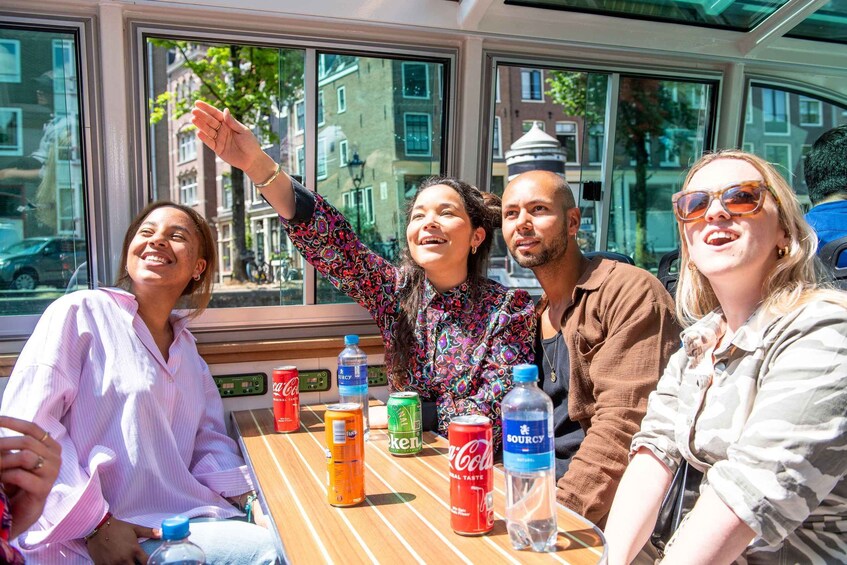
[[529, 462], [353, 377], [177, 550]]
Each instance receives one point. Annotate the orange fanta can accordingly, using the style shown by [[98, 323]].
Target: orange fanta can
[[345, 454]]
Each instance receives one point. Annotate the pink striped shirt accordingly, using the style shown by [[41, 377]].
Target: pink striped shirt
[[141, 437]]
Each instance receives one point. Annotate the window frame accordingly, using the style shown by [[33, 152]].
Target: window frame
[[766, 121], [341, 99], [530, 73], [800, 99], [425, 65], [97, 201], [406, 116], [320, 319]]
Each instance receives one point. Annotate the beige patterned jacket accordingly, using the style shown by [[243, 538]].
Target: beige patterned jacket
[[765, 416]]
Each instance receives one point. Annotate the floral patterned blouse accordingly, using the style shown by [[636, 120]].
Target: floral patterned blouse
[[465, 348], [8, 554]]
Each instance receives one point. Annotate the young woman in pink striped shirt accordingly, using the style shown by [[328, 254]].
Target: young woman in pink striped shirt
[[114, 375]]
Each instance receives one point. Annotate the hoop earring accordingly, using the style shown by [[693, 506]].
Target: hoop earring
[[692, 267], [473, 250], [197, 277], [783, 252]]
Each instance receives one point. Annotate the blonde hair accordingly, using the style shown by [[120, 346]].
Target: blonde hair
[[794, 280]]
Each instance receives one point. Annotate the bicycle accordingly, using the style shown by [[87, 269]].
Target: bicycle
[[259, 272]]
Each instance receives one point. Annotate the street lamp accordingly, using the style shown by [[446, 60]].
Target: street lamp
[[356, 168]]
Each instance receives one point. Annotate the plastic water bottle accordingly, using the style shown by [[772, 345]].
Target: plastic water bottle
[[529, 462], [177, 550], [353, 377]]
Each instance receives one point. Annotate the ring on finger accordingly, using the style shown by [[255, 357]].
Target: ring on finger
[[38, 464], [219, 126], [44, 437], [214, 137]]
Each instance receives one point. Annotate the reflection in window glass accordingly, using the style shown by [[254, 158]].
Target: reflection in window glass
[[661, 128], [257, 266], [574, 101], [42, 223], [805, 117], [386, 141]]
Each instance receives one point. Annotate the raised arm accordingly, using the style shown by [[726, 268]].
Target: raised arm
[[233, 142]]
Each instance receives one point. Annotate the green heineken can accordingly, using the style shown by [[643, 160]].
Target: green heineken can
[[404, 423]]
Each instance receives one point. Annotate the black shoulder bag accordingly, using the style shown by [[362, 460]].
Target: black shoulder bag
[[679, 500]]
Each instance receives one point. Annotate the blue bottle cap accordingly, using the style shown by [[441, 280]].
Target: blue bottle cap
[[175, 528], [525, 373], [351, 339]]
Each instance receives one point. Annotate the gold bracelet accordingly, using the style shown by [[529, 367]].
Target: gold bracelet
[[271, 179]]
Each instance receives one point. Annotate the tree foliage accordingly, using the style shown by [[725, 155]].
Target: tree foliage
[[649, 114], [253, 82]]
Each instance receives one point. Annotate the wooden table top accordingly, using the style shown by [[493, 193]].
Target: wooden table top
[[406, 514]]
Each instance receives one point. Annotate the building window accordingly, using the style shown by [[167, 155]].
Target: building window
[[566, 134], [531, 85], [300, 116], [417, 135], [779, 154], [775, 111], [749, 114], [342, 99], [496, 138], [811, 112], [322, 158], [226, 192], [368, 196], [526, 125], [321, 120], [187, 147], [343, 157], [301, 160], [188, 190], [748, 147], [226, 248], [497, 85], [415, 80], [595, 145]]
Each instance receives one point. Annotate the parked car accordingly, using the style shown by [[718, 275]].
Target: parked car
[[38, 261]]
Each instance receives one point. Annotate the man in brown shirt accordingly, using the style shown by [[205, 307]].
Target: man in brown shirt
[[607, 330]]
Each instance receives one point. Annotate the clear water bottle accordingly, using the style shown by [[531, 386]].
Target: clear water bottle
[[353, 376], [177, 550], [529, 462]]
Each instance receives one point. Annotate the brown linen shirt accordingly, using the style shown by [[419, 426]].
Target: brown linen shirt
[[620, 331]]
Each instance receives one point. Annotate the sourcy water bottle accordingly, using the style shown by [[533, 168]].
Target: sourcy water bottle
[[529, 462], [353, 376], [177, 550]]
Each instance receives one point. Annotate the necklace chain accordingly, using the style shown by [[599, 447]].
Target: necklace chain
[[555, 356]]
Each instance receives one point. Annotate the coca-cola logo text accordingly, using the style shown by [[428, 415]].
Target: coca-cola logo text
[[475, 455], [288, 388]]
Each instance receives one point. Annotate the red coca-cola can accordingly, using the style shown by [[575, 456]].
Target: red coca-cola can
[[286, 388], [471, 475]]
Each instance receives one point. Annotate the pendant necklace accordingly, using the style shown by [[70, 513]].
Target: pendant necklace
[[555, 356]]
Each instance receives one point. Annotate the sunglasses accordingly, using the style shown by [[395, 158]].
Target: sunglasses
[[740, 199]]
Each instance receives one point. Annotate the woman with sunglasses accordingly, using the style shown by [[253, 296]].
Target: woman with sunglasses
[[756, 397], [450, 334]]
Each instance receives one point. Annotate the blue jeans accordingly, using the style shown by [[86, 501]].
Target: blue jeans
[[225, 542]]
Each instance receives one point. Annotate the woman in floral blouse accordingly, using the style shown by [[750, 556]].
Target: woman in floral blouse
[[29, 464], [451, 334], [756, 397]]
